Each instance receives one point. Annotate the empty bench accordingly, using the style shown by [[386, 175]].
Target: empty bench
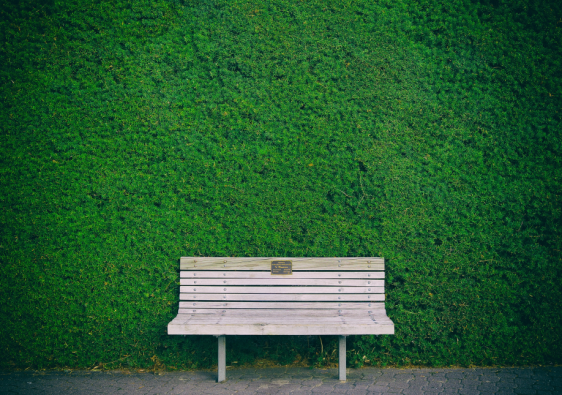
[[281, 296]]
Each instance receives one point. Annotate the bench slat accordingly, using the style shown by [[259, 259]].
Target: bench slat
[[284, 297], [298, 275], [290, 322], [264, 263], [281, 305], [281, 281], [280, 290], [293, 329], [211, 319], [282, 311], [281, 315]]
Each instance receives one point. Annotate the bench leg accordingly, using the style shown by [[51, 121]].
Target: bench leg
[[222, 359], [341, 361]]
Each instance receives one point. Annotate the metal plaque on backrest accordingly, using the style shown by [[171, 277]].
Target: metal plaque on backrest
[[281, 267]]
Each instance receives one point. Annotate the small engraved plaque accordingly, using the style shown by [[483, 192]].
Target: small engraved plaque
[[281, 267]]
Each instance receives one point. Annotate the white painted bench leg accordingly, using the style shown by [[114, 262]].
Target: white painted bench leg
[[341, 361], [222, 359]]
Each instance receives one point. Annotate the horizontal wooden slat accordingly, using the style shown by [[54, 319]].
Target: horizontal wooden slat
[[293, 329], [283, 297], [281, 314], [264, 263], [214, 311], [280, 290], [282, 281], [282, 305], [381, 312], [257, 274], [214, 319]]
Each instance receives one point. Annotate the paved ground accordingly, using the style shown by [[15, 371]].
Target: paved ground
[[539, 380]]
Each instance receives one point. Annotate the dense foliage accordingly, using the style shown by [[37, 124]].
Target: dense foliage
[[134, 132]]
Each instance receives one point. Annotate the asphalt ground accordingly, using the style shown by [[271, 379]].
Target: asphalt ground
[[468, 381]]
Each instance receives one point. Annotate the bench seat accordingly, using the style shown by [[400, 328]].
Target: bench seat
[[282, 322]]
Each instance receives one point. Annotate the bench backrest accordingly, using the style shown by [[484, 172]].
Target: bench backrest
[[211, 283]]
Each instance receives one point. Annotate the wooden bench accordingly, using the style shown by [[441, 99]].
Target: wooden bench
[[281, 296]]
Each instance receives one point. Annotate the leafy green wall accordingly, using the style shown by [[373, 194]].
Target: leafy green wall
[[137, 132]]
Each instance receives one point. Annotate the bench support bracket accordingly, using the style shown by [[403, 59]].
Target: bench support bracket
[[341, 361], [222, 359]]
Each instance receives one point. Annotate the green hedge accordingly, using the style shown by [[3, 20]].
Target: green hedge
[[134, 132]]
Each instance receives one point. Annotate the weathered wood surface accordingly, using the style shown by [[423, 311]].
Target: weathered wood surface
[[282, 281], [291, 322], [267, 274], [284, 297], [264, 263], [280, 314], [281, 305], [200, 319], [240, 296], [279, 290], [262, 316], [197, 310], [281, 329]]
